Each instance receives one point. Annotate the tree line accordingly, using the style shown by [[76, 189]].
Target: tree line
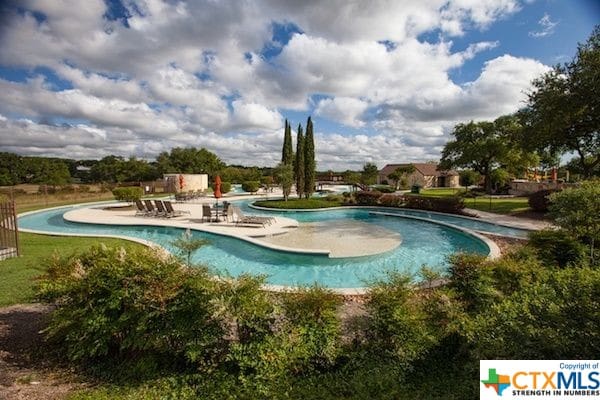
[[16, 169], [561, 117]]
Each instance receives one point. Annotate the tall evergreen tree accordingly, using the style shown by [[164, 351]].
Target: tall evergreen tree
[[309, 160], [287, 153], [299, 163]]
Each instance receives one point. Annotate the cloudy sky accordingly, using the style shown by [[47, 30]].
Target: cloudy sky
[[385, 81]]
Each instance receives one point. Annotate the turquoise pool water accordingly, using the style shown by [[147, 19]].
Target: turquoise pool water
[[423, 243]]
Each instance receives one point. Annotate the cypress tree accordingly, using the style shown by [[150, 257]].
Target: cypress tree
[[287, 153], [299, 163], [309, 160]]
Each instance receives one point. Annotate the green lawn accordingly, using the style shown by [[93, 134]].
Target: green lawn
[[298, 204], [508, 205], [17, 275]]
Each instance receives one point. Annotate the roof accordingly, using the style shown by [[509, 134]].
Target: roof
[[426, 169]]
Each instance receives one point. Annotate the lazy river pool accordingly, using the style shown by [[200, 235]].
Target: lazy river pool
[[422, 243]]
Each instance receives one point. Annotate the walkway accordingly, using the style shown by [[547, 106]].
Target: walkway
[[509, 220]]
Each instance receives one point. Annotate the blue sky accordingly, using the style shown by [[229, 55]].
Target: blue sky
[[383, 82]]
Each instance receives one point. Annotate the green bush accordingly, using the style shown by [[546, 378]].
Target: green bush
[[129, 194], [311, 315], [225, 187], [384, 188], [453, 205], [540, 200], [364, 198], [557, 247], [577, 210], [398, 326], [554, 317], [472, 281], [251, 186], [391, 200], [123, 305]]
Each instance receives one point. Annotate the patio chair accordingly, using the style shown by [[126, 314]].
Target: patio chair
[[171, 212], [206, 212], [162, 211], [241, 219], [152, 211], [141, 209]]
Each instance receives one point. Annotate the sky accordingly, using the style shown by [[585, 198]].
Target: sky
[[385, 81]]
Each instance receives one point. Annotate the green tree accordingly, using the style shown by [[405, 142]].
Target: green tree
[[369, 174], [563, 110], [400, 172], [481, 146], [299, 163], [577, 210], [468, 177], [499, 177], [351, 177], [287, 153], [189, 160], [108, 169], [12, 169], [53, 172], [187, 245], [284, 175], [310, 165]]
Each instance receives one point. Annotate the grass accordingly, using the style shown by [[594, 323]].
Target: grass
[[17, 275], [32, 202], [299, 204], [504, 205]]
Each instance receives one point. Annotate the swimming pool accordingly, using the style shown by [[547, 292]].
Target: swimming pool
[[423, 243]]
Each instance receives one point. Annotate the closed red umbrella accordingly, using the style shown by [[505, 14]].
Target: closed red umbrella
[[181, 183], [217, 193]]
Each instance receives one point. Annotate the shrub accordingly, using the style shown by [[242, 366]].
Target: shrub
[[130, 305], [129, 194], [537, 322], [365, 198], [557, 247], [391, 200], [251, 186], [539, 201], [311, 315], [334, 198], [472, 280], [398, 325], [385, 188], [225, 187], [577, 210], [453, 205]]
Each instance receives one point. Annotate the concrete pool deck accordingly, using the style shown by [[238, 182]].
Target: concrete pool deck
[[333, 239]]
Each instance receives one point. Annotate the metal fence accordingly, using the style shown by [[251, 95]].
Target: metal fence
[[9, 234]]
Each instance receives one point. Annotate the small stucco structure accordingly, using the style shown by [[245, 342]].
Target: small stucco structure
[[191, 182], [426, 175]]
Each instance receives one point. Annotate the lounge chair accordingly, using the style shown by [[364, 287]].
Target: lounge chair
[[241, 219], [152, 211], [171, 212], [162, 211], [141, 209]]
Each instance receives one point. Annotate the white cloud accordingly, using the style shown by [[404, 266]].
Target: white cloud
[[345, 110], [546, 27], [192, 74]]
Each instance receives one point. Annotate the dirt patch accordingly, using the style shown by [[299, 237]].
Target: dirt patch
[[24, 371], [506, 244]]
